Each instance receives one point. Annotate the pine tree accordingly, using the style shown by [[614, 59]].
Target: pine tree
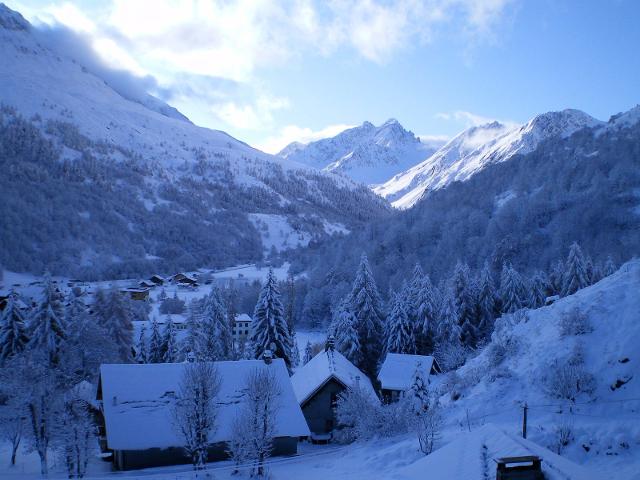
[[13, 330], [155, 343], [590, 271], [556, 278], [142, 355], [487, 301], [169, 343], [117, 321], [269, 330], [400, 332], [511, 290], [418, 393], [345, 333], [215, 340], [422, 309], [538, 288], [463, 294], [308, 353], [576, 276], [366, 305], [290, 318], [609, 267], [47, 324]]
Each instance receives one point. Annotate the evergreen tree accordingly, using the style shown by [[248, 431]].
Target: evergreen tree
[[13, 330], [169, 343], [487, 301], [511, 290], [308, 354], [609, 267], [345, 333], [576, 276], [117, 321], [47, 324], [591, 271], [556, 278], [366, 305], [142, 355], [538, 290], [215, 340], [290, 318], [155, 343], [463, 294], [422, 309], [269, 330], [400, 332], [418, 393]]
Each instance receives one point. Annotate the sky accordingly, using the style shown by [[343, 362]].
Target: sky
[[270, 73]]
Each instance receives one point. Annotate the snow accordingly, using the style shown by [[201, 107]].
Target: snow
[[367, 154], [137, 401], [474, 149], [398, 369], [323, 367], [276, 232]]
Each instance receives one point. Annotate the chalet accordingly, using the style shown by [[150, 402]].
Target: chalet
[[398, 370], [156, 280], [318, 383], [179, 322], [135, 402], [184, 280], [242, 328], [141, 294], [146, 284]]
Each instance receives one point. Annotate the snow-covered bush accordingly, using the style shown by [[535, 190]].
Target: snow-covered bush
[[357, 414], [575, 322], [452, 385], [428, 425], [451, 355], [567, 379], [562, 435]]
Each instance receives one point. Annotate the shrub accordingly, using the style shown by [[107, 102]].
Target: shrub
[[575, 322]]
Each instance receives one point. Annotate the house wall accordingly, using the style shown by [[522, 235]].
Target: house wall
[[318, 411], [160, 457]]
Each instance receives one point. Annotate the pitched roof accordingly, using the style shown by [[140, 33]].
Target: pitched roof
[[398, 369], [326, 365], [137, 400]]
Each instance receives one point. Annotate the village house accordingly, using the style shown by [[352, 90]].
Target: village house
[[139, 294], [241, 328], [185, 280], [136, 399], [156, 280], [148, 284], [398, 370], [179, 321], [317, 385]]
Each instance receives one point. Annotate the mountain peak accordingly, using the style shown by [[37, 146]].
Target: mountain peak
[[12, 20]]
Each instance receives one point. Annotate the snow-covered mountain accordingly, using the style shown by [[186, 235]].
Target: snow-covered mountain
[[477, 147], [367, 154], [135, 181]]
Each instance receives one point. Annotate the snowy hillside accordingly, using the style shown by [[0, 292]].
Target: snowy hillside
[[175, 193], [474, 149], [367, 154], [575, 363]]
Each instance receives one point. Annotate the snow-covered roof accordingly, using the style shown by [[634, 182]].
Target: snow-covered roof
[[471, 455], [243, 317], [398, 369], [326, 365], [137, 400]]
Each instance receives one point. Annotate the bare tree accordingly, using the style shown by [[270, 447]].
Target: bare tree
[[428, 428], [255, 428], [195, 410], [75, 434], [12, 427]]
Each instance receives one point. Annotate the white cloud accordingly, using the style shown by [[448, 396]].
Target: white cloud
[[467, 118], [294, 133], [250, 116]]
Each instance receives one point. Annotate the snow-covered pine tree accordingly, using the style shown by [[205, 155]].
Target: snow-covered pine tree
[[556, 278], [422, 310], [13, 329], [366, 305], [269, 329], [155, 343], [464, 296], [418, 393], [487, 301], [538, 290], [400, 332], [511, 290], [47, 323], [590, 269], [117, 321], [449, 350], [576, 275], [308, 353], [290, 318], [345, 332], [609, 267], [215, 340], [169, 343], [142, 348]]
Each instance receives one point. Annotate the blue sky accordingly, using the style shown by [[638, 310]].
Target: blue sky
[[273, 72]]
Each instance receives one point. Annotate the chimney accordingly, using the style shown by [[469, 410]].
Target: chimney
[[267, 356], [330, 345]]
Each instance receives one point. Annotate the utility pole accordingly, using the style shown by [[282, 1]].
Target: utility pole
[[525, 408]]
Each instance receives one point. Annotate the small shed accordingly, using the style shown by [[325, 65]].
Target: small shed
[[398, 370], [136, 400], [318, 383]]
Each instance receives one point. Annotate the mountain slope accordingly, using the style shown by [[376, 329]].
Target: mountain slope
[[474, 149], [104, 185], [367, 154]]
